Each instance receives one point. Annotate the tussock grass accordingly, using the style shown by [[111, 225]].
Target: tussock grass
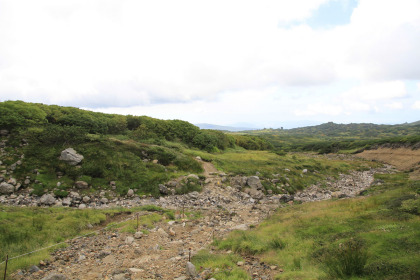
[[372, 237]]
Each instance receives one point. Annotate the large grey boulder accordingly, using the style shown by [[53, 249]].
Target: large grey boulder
[[71, 156], [254, 182], [6, 188], [47, 199]]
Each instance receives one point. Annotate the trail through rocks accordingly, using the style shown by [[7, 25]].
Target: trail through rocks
[[163, 253]]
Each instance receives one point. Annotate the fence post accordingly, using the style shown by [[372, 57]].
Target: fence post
[[137, 221], [5, 268]]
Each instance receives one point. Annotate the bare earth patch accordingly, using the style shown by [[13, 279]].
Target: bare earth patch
[[404, 159]]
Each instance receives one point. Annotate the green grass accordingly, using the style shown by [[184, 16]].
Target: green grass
[[24, 230], [243, 162], [373, 237], [221, 266]]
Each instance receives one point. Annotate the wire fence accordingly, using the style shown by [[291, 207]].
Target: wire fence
[[72, 239]]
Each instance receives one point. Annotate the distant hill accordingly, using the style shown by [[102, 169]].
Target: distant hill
[[331, 137], [223, 128]]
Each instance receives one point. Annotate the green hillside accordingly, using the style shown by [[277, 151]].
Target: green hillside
[[331, 137]]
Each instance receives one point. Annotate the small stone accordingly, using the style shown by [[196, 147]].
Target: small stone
[[138, 235], [191, 271], [129, 240], [34, 269], [82, 206], [240, 263], [55, 276], [273, 267], [130, 193]]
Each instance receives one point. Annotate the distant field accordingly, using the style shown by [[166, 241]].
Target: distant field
[[404, 159]]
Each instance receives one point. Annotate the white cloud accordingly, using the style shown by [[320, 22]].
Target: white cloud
[[394, 105], [416, 105], [377, 91], [320, 109], [102, 53]]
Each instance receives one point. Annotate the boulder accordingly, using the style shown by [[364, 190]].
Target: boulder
[[172, 184], [254, 182], [55, 276], [129, 240], [12, 181], [70, 156], [238, 181], [47, 199], [138, 235], [81, 185], [255, 194], [6, 188], [82, 206], [130, 193], [4, 132], [193, 176], [286, 198], [241, 227], [66, 201], [104, 200], [86, 199], [191, 271], [163, 189]]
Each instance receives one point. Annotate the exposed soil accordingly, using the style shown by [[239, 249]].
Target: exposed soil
[[404, 159]]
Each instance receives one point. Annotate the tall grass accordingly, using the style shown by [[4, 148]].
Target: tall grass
[[373, 237]]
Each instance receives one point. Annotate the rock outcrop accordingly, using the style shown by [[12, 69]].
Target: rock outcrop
[[71, 157]]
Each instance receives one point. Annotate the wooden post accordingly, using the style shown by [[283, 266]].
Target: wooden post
[[137, 221], [189, 255], [5, 269]]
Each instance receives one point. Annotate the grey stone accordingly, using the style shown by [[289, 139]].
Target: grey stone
[[6, 188], [82, 206], [81, 185], [191, 271], [55, 276], [70, 156], [130, 193], [33, 269], [172, 184], [27, 182], [163, 189], [86, 199], [4, 132], [254, 182], [286, 198], [129, 240], [47, 199], [138, 235], [241, 227], [120, 276], [104, 200], [12, 181], [305, 171], [66, 201], [193, 176]]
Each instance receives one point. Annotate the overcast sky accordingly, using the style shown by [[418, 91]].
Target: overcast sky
[[265, 63]]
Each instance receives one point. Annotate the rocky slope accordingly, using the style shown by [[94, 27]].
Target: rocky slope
[[164, 252]]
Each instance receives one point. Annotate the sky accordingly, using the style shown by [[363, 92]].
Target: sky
[[260, 63]]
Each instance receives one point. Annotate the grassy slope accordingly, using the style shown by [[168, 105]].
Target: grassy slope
[[305, 239], [23, 230], [267, 163]]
